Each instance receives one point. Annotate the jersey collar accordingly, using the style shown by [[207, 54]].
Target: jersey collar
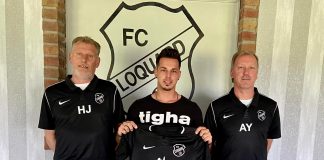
[[91, 86], [255, 99]]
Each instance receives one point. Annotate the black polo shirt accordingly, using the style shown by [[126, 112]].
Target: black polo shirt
[[84, 120], [240, 132]]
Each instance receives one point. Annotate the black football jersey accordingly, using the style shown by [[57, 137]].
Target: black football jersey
[[165, 142]]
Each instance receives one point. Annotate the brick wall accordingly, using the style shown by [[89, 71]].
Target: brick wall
[[55, 45], [54, 41], [248, 23]]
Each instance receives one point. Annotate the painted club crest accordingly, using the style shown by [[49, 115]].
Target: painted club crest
[[179, 150], [99, 98], [261, 115], [137, 33]]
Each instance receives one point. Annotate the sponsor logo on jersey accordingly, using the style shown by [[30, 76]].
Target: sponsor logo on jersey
[[158, 119], [99, 98], [261, 115], [62, 102], [148, 147], [227, 116], [179, 150], [133, 51]]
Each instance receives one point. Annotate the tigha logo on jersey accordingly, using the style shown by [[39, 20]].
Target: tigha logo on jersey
[[158, 119]]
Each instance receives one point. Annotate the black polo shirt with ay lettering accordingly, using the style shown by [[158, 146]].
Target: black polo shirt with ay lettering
[[84, 120], [240, 132]]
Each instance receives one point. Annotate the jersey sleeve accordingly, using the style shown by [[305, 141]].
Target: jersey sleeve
[[119, 113], [275, 129], [46, 120], [197, 117]]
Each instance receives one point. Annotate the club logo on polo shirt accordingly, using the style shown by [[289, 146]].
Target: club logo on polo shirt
[[99, 98], [179, 150], [261, 115]]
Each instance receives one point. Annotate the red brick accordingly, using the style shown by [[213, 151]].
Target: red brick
[[51, 72], [50, 13], [62, 62], [249, 13], [61, 38], [50, 3], [61, 16], [247, 36], [50, 26], [51, 50], [51, 61], [61, 27], [248, 24], [247, 47], [62, 73], [250, 2], [50, 38], [61, 4], [62, 52]]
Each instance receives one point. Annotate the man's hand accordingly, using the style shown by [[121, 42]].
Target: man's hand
[[205, 134], [126, 127]]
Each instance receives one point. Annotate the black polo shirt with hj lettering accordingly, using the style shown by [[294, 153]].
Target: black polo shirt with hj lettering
[[240, 132], [84, 120]]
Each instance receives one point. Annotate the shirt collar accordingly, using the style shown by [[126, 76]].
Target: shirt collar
[[255, 99], [92, 85]]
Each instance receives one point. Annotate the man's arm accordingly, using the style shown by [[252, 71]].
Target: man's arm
[[269, 143], [50, 139]]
